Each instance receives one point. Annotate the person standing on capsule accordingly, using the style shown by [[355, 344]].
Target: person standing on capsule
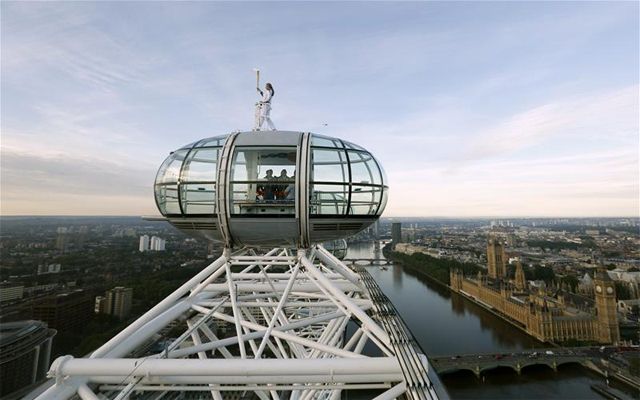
[[265, 106]]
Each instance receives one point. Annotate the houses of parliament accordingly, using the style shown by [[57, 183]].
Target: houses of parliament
[[548, 316]]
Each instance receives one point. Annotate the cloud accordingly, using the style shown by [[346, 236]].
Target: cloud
[[582, 117], [73, 186]]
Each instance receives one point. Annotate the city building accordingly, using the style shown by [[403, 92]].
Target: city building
[[25, 351], [62, 240], [64, 311], [496, 259], [100, 305], [606, 308], [118, 302], [520, 281], [154, 243], [157, 244], [144, 243], [49, 269], [396, 232], [10, 292], [548, 316]]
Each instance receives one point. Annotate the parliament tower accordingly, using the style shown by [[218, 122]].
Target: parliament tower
[[608, 331], [496, 259]]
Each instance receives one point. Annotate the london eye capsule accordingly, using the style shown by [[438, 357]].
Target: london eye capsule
[[271, 188]]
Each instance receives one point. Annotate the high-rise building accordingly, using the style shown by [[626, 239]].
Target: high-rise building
[[118, 301], [608, 330], [396, 232], [100, 305], [144, 243], [496, 259], [25, 351], [64, 311], [157, 244], [62, 240]]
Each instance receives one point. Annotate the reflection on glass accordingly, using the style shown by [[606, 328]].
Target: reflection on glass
[[167, 198], [330, 166], [200, 166], [213, 141], [364, 169], [328, 199], [323, 141], [198, 198], [170, 170], [365, 200]]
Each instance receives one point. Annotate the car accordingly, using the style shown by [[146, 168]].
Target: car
[[548, 352]]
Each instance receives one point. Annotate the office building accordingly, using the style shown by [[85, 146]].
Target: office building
[[25, 354], [396, 232], [64, 311], [144, 243], [118, 301]]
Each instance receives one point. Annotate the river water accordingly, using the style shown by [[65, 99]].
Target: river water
[[445, 323]]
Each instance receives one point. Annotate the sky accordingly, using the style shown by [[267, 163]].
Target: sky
[[474, 109]]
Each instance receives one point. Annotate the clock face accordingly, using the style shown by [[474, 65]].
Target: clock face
[[599, 289], [609, 290]]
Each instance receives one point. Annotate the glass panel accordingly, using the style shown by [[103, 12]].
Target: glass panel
[[212, 141], [170, 169], [198, 198], [263, 181], [385, 180], [350, 145], [324, 141], [365, 199], [328, 199], [364, 169], [200, 166], [167, 197], [245, 200], [277, 164], [383, 204], [330, 166]]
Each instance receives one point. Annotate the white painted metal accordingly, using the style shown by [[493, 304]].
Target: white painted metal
[[275, 325]]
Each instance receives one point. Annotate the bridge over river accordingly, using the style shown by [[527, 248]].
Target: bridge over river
[[367, 261], [479, 363]]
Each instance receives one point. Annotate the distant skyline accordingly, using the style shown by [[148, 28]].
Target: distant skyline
[[476, 109]]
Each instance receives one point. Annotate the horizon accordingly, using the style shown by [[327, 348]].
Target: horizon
[[489, 109]]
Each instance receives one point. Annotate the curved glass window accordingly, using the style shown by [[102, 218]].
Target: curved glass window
[[364, 169], [185, 184], [216, 141], [345, 179], [329, 199], [330, 166], [325, 141], [263, 181], [200, 166], [169, 171]]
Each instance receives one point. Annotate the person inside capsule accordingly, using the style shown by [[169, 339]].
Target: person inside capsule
[[255, 188]]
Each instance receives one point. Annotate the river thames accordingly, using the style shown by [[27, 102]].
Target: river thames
[[445, 323]]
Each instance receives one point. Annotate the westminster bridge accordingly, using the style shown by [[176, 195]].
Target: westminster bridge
[[550, 357]]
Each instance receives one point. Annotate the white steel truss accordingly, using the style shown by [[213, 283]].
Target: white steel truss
[[274, 325]]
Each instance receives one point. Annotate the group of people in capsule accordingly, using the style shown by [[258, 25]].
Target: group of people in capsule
[[278, 188]]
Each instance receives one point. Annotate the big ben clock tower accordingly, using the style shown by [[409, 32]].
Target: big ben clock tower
[[608, 331]]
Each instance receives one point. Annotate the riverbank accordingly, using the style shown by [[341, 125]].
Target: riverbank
[[396, 258], [422, 271]]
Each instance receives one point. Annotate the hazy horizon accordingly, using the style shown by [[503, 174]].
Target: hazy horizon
[[485, 108]]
